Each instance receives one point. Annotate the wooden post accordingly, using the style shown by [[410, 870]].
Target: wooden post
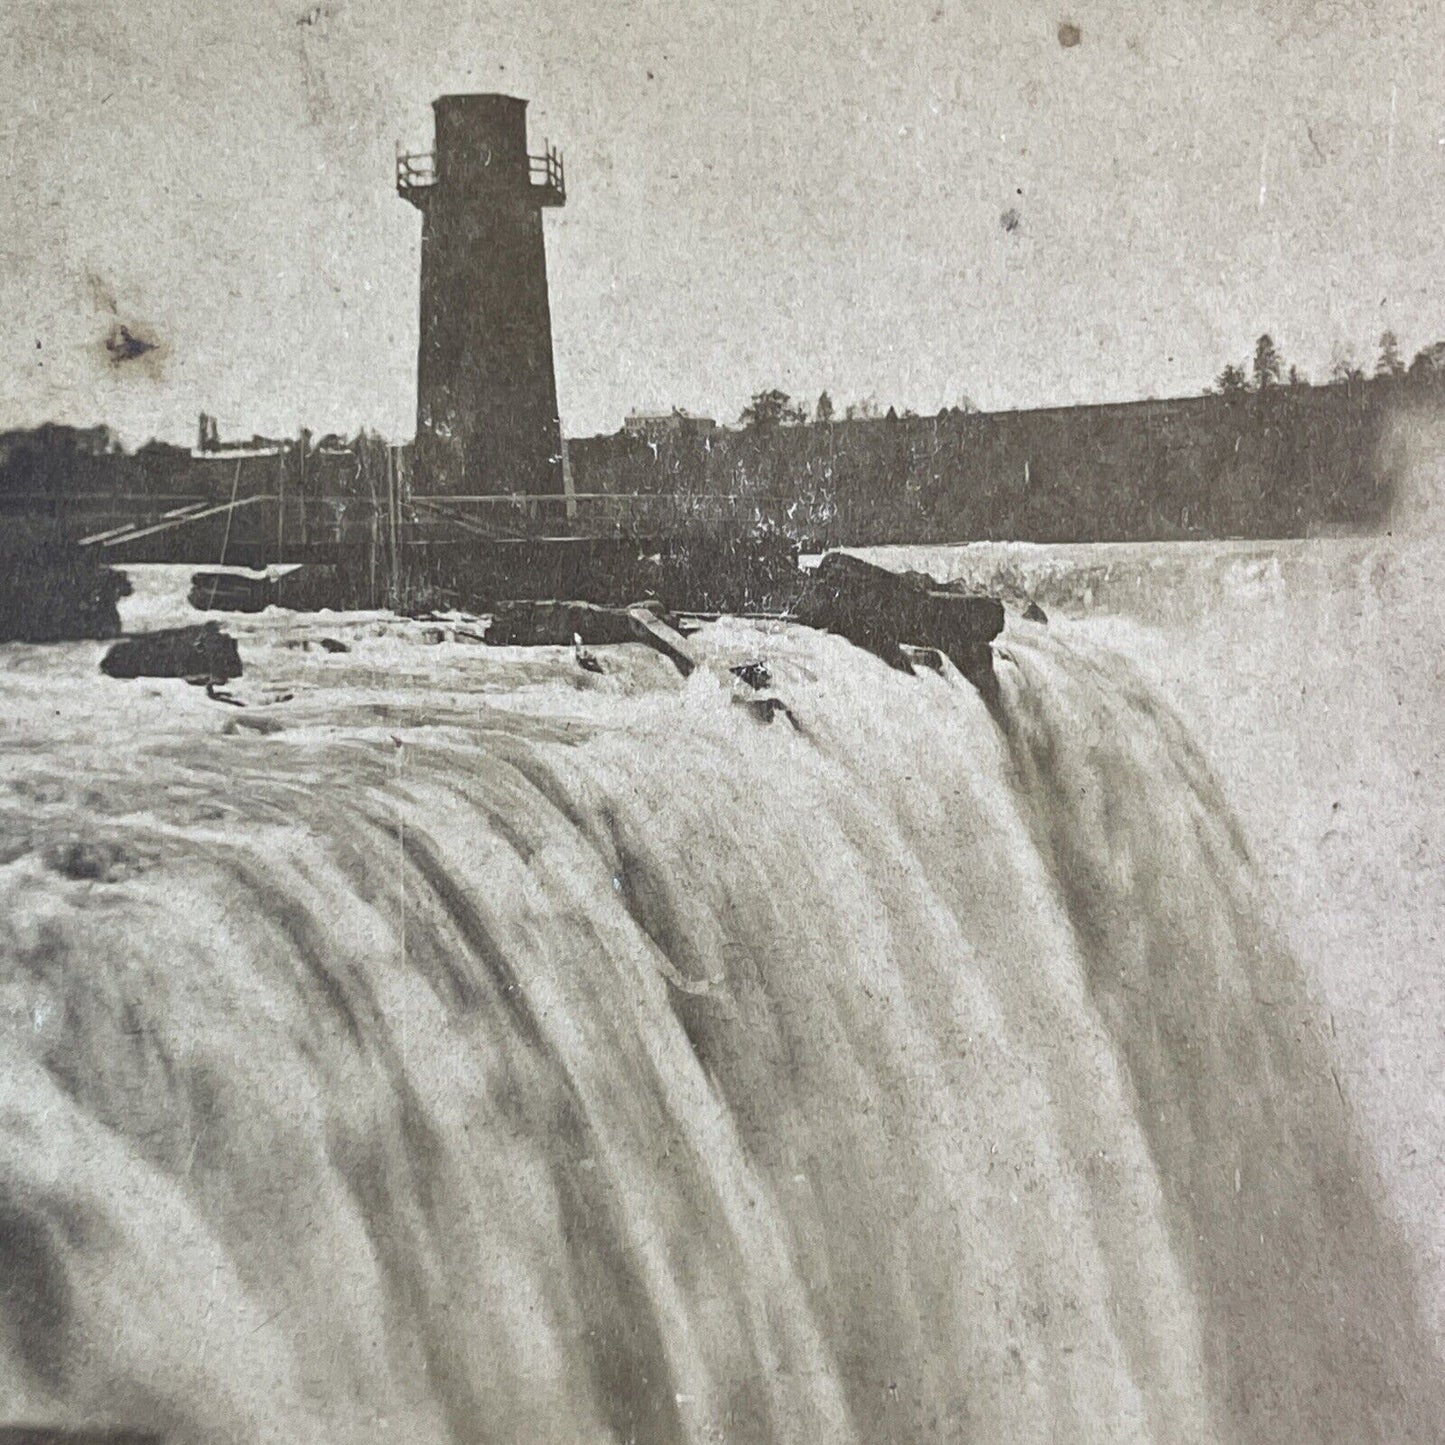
[[393, 516], [371, 585], [301, 505], [569, 491], [366, 464], [281, 506]]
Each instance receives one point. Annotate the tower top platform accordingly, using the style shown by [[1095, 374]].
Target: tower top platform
[[480, 147]]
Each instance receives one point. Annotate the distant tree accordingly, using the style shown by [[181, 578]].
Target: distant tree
[[1345, 371], [892, 415], [823, 412], [1231, 381], [1267, 363], [1297, 377], [1389, 364], [863, 410], [770, 409], [1429, 364], [966, 407]]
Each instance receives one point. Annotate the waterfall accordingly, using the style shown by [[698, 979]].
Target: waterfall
[[493, 1054]]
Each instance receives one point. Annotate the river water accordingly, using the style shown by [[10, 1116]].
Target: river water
[[455, 1045]]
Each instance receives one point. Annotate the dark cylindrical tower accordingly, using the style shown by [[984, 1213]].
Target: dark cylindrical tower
[[486, 418]]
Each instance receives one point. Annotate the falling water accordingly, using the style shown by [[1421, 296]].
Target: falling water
[[475, 1049]]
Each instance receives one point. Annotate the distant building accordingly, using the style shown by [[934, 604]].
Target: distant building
[[209, 443], [87, 441], [653, 426]]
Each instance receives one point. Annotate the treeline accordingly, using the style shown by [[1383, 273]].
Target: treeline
[[775, 407], [1265, 370], [1277, 461], [1425, 373]]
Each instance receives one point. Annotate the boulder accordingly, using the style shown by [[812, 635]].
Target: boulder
[[559, 624], [572, 624], [881, 611], [755, 674], [311, 588], [201, 654], [231, 592]]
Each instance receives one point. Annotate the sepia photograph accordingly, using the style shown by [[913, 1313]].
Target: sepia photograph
[[722, 722]]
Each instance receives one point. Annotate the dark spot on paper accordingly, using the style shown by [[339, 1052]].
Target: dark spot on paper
[[128, 342], [1069, 34], [124, 345], [1010, 219]]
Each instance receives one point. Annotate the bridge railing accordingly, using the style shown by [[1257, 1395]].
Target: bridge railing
[[510, 515]]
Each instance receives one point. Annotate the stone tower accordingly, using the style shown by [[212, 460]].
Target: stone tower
[[486, 388]]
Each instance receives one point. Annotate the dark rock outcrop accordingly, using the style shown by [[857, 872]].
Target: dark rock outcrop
[[312, 588], [882, 611], [201, 654], [741, 575], [52, 591], [231, 592], [755, 674], [563, 624]]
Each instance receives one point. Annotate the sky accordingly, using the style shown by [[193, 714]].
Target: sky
[[914, 202]]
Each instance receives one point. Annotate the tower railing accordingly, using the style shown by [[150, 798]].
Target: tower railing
[[416, 171], [549, 176]]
